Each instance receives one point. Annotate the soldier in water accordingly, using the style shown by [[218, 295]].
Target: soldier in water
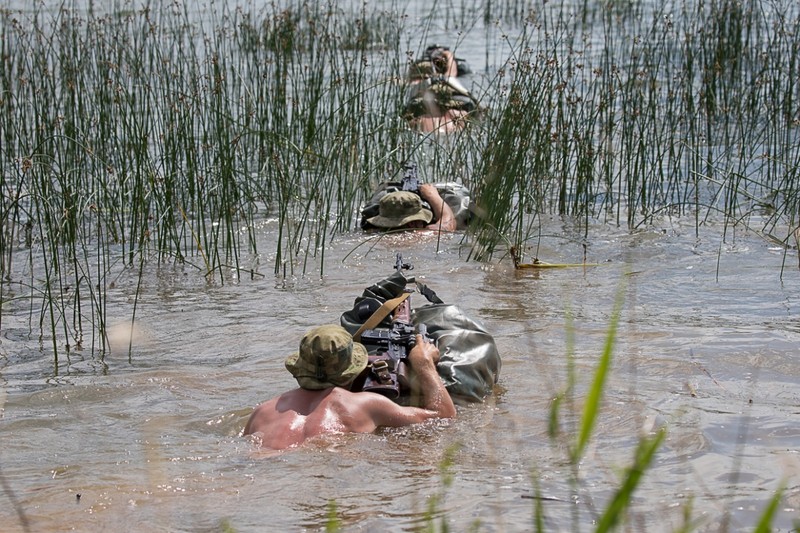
[[327, 365]]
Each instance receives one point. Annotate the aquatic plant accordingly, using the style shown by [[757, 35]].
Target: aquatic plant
[[144, 138], [575, 439], [670, 113]]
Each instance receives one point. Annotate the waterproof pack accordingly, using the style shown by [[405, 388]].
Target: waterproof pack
[[469, 363]]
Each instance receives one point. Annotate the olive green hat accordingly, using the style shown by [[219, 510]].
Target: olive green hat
[[328, 357], [398, 209]]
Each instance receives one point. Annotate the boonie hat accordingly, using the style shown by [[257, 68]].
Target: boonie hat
[[328, 357], [398, 209]]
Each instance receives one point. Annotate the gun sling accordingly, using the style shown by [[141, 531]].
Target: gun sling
[[380, 313]]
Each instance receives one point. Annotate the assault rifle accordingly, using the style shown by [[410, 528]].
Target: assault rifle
[[410, 180], [389, 371]]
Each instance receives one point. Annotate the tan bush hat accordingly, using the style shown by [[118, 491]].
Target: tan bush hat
[[328, 357], [398, 209]]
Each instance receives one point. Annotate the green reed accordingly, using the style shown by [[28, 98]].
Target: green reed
[[149, 137], [657, 115], [573, 432], [163, 136]]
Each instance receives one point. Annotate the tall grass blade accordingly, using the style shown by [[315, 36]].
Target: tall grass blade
[[333, 524], [615, 510], [765, 521], [594, 398]]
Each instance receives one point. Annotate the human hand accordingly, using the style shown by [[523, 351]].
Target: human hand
[[424, 352], [441, 210], [428, 191]]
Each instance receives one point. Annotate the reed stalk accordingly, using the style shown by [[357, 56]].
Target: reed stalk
[[141, 137], [164, 135]]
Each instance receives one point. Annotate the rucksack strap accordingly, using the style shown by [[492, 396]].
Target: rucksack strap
[[428, 293]]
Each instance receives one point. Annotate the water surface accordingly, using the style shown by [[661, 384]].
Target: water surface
[[148, 439], [706, 347]]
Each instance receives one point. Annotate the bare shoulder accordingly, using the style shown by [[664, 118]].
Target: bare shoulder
[[260, 415], [372, 405]]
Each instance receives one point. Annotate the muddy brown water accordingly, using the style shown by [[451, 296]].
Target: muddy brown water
[[707, 347]]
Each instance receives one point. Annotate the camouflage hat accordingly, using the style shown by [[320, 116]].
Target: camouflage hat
[[328, 357], [398, 209], [421, 69]]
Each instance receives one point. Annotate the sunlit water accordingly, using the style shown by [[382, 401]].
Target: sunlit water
[[706, 347], [150, 441]]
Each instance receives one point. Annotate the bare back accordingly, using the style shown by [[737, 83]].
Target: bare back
[[301, 414], [449, 120]]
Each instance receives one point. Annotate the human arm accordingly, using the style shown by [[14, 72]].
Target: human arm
[[435, 401], [443, 212], [445, 63], [423, 358]]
